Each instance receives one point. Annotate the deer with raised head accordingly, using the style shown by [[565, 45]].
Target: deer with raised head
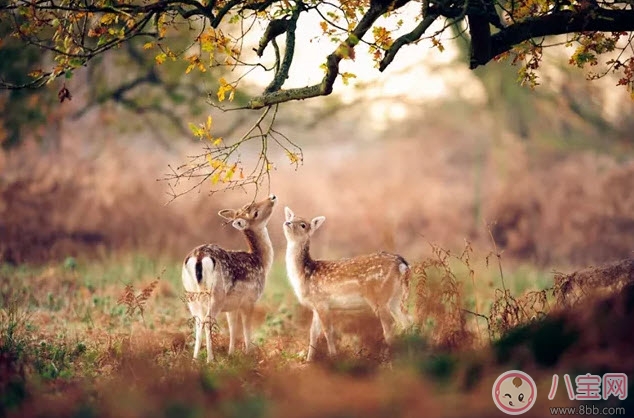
[[217, 280], [378, 280]]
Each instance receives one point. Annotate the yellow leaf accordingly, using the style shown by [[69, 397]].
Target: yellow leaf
[[345, 77], [293, 157], [197, 131], [217, 141], [215, 178], [148, 45], [109, 18], [160, 58], [224, 89], [231, 172], [324, 26], [161, 26], [209, 122]]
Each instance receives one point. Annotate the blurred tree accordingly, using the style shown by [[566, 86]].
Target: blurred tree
[[568, 114], [23, 107], [78, 31]]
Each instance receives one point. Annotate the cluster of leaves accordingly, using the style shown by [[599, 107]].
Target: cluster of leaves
[[594, 48]]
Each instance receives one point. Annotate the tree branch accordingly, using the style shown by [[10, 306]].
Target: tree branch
[[407, 39], [324, 88], [588, 20], [282, 71], [480, 40]]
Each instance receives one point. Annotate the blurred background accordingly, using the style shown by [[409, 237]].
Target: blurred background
[[426, 152]]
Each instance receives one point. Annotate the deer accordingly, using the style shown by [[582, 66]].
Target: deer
[[379, 280], [218, 280]]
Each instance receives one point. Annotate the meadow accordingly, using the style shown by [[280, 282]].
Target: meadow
[[113, 338]]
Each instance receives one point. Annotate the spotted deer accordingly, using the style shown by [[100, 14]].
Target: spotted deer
[[378, 280], [217, 280]]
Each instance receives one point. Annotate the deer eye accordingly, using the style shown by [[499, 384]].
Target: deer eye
[[303, 225], [255, 214]]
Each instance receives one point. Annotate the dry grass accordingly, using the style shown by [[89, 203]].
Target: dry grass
[[73, 338]]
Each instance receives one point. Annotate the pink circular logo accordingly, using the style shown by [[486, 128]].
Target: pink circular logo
[[514, 392]]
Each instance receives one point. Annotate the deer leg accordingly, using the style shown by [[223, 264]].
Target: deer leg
[[387, 322], [329, 331], [212, 313], [232, 320], [315, 330], [198, 326], [247, 320], [397, 310]]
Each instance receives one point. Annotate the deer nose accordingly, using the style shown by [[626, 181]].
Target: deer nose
[[273, 198], [287, 223]]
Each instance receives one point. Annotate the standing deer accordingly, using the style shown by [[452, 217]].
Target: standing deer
[[379, 280], [218, 280]]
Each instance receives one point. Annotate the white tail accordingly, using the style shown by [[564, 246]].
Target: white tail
[[379, 280], [217, 280]]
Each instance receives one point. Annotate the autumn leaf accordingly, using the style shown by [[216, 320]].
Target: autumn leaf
[[148, 45], [224, 89], [231, 172], [196, 130], [36, 73], [160, 58], [437, 44], [109, 18], [345, 77], [292, 157]]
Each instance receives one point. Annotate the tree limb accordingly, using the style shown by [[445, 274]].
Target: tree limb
[[407, 39], [324, 88], [282, 71], [480, 40], [601, 20]]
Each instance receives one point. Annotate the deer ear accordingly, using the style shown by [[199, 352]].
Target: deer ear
[[228, 214], [316, 222], [289, 213], [239, 224]]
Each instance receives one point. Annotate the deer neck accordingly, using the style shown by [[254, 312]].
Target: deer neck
[[260, 245], [299, 261]]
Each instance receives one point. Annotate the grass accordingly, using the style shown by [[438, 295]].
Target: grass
[[113, 337]]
